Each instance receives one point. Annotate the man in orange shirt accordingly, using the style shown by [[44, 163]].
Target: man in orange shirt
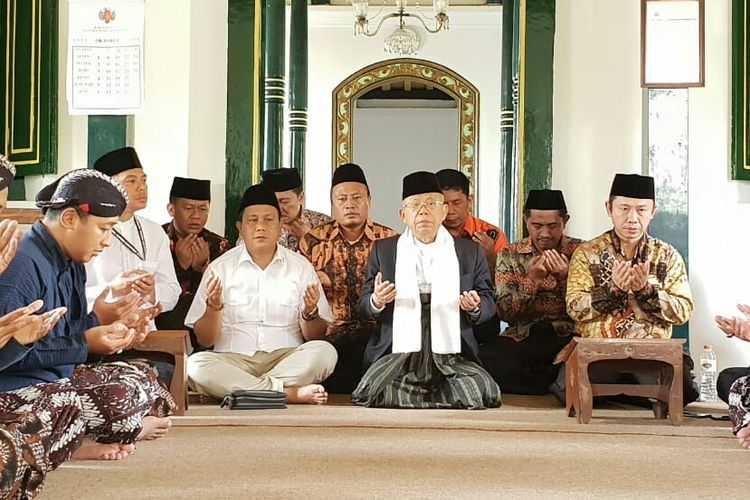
[[459, 221]]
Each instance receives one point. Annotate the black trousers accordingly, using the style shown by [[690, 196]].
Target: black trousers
[[727, 377], [524, 367], [350, 365]]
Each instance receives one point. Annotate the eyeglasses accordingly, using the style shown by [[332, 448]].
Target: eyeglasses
[[431, 205]]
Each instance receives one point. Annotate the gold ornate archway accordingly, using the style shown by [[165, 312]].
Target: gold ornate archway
[[427, 72]]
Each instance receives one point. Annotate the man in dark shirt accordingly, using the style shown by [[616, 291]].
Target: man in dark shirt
[[193, 246]]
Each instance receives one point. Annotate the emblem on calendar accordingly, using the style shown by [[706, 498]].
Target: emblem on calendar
[[107, 15]]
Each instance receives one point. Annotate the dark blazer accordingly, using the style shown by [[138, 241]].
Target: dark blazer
[[474, 275]]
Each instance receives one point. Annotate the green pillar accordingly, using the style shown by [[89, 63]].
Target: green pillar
[[243, 107], [298, 85], [106, 133], [507, 123], [274, 83]]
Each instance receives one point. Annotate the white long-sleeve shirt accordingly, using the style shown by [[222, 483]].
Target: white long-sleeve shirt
[[262, 307], [104, 268]]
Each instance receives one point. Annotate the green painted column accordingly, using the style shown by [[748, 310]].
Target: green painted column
[[105, 133], [507, 122], [274, 83], [298, 85], [243, 109], [538, 82], [531, 80]]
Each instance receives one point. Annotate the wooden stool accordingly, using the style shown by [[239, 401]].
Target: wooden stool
[[176, 343], [580, 392]]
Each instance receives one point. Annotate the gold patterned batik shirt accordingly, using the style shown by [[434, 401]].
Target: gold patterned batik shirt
[[601, 310], [310, 217], [522, 302], [341, 268]]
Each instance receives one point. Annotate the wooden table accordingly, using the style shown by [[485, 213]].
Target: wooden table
[[667, 390]]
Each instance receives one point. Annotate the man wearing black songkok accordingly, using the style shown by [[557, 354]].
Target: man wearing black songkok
[[338, 250], [192, 245], [263, 310], [628, 284], [427, 290], [530, 278]]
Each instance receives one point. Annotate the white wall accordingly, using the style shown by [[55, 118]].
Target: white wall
[[597, 132], [415, 139], [719, 207], [335, 54], [597, 105]]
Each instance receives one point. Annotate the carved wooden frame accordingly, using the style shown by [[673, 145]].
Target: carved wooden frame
[[428, 72]]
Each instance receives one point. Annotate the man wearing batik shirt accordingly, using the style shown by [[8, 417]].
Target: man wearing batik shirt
[[531, 278], [338, 251], [192, 245], [296, 220], [627, 284]]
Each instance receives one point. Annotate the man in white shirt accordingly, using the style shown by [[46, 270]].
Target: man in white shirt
[[263, 309], [139, 258]]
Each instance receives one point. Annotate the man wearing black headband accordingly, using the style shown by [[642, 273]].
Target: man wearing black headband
[[338, 250], [192, 245], [80, 209], [296, 220], [139, 256], [263, 310], [531, 279], [626, 283]]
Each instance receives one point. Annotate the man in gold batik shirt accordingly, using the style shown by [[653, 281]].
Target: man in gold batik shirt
[[625, 283]]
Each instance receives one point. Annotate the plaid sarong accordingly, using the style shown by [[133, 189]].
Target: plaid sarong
[[427, 380]]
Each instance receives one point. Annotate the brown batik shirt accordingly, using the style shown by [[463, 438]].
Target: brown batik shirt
[[521, 301], [341, 268]]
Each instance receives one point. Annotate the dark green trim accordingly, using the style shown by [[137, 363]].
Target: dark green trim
[[17, 190], [40, 19], [539, 57], [320, 2], [274, 90], [298, 76], [106, 133], [740, 90], [240, 108]]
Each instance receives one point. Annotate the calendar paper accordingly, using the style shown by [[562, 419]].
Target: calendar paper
[[105, 57]]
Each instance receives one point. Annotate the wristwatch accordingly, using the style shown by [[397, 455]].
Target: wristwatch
[[312, 316]]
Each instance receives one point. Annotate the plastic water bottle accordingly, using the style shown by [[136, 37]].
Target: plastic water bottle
[[708, 374]]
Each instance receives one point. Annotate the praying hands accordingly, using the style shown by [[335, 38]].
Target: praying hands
[[469, 301], [214, 293], [192, 252], [734, 326], [9, 238], [630, 277], [25, 327], [384, 292]]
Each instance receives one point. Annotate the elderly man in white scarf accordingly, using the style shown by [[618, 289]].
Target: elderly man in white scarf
[[427, 290]]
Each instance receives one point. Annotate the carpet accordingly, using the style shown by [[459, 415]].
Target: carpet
[[528, 448]]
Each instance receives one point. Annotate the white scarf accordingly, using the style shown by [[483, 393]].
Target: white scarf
[[445, 319]]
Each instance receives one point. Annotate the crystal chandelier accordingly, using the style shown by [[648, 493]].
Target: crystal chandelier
[[403, 40]]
